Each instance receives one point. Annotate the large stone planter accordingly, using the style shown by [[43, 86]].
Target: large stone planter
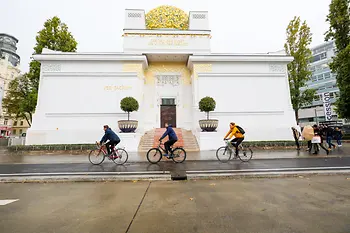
[[127, 126], [208, 125]]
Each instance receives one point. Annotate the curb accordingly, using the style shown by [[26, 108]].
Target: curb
[[77, 178], [265, 174]]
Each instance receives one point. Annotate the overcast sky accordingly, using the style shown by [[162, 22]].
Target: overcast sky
[[238, 26]]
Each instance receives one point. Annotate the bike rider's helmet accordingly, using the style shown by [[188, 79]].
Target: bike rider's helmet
[[232, 124]]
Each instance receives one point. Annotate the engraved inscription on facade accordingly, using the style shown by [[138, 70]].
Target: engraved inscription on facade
[[51, 67], [277, 68], [173, 80]]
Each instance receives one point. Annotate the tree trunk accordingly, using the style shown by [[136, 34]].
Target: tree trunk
[[128, 116], [207, 115], [29, 122], [296, 112]]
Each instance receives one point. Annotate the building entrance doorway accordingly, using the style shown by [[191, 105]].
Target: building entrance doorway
[[168, 112]]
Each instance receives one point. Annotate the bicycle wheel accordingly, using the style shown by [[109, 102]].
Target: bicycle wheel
[[120, 156], [245, 154], [223, 154], [96, 157], [154, 155], [179, 155]]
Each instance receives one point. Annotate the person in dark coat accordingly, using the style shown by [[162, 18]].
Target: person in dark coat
[[296, 136], [329, 132], [172, 138], [112, 137], [318, 133], [338, 136]]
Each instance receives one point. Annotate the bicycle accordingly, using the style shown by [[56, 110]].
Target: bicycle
[[154, 155], [224, 153], [118, 156]]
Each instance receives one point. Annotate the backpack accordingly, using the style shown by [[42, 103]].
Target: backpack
[[241, 130]]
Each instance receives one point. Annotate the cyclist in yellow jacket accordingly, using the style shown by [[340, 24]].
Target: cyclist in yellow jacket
[[239, 137]]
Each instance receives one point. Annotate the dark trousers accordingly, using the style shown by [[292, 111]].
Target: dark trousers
[[168, 144], [236, 142], [110, 145], [297, 142], [309, 145], [318, 149], [329, 142]]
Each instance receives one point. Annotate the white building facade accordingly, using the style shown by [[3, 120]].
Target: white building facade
[[81, 92]]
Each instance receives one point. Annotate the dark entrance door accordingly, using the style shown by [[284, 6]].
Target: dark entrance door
[[168, 112]]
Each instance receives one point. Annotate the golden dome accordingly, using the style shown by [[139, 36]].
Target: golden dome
[[167, 17]]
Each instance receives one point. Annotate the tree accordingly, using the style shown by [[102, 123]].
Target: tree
[[129, 104], [54, 36], [207, 104], [21, 98], [339, 31], [297, 46]]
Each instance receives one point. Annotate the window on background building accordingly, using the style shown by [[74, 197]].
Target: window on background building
[[317, 98], [314, 78], [336, 94], [20, 131], [327, 75], [15, 123], [321, 88], [14, 132], [331, 94], [6, 121], [21, 122], [320, 77], [311, 119]]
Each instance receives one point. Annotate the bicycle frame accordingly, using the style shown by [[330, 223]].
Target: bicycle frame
[[163, 148], [104, 149], [232, 147]]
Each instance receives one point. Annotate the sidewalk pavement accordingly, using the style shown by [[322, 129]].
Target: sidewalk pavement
[[23, 158]]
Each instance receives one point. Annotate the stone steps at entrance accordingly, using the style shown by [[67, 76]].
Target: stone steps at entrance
[[185, 139]]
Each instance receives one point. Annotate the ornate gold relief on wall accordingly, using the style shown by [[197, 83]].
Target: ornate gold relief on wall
[[201, 68], [134, 67], [155, 68]]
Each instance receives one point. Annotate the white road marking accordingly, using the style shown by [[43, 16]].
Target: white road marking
[[5, 202]]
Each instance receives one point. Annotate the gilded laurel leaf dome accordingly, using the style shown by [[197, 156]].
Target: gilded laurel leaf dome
[[167, 17]]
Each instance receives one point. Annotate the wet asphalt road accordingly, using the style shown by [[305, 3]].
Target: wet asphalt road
[[318, 204], [187, 166]]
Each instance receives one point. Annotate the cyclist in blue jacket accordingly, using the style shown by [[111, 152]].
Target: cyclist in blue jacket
[[112, 137], [172, 138]]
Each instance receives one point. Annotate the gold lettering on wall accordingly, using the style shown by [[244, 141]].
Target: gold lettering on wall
[[169, 42], [117, 88]]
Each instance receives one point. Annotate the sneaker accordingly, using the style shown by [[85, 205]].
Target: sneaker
[[340, 145], [328, 151]]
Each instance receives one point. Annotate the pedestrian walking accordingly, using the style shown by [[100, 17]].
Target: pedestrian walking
[[308, 134], [318, 141], [296, 135], [329, 136], [338, 134]]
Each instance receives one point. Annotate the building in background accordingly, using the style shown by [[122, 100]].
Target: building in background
[[9, 70], [323, 81], [167, 66]]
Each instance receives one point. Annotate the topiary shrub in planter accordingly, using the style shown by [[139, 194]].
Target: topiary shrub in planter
[[128, 104], [208, 104]]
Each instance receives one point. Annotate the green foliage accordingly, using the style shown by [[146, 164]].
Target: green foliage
[[22, 95], [339, 30], [55, 36], [21, 98], [297, 46], [207, 104], [129, 104]]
